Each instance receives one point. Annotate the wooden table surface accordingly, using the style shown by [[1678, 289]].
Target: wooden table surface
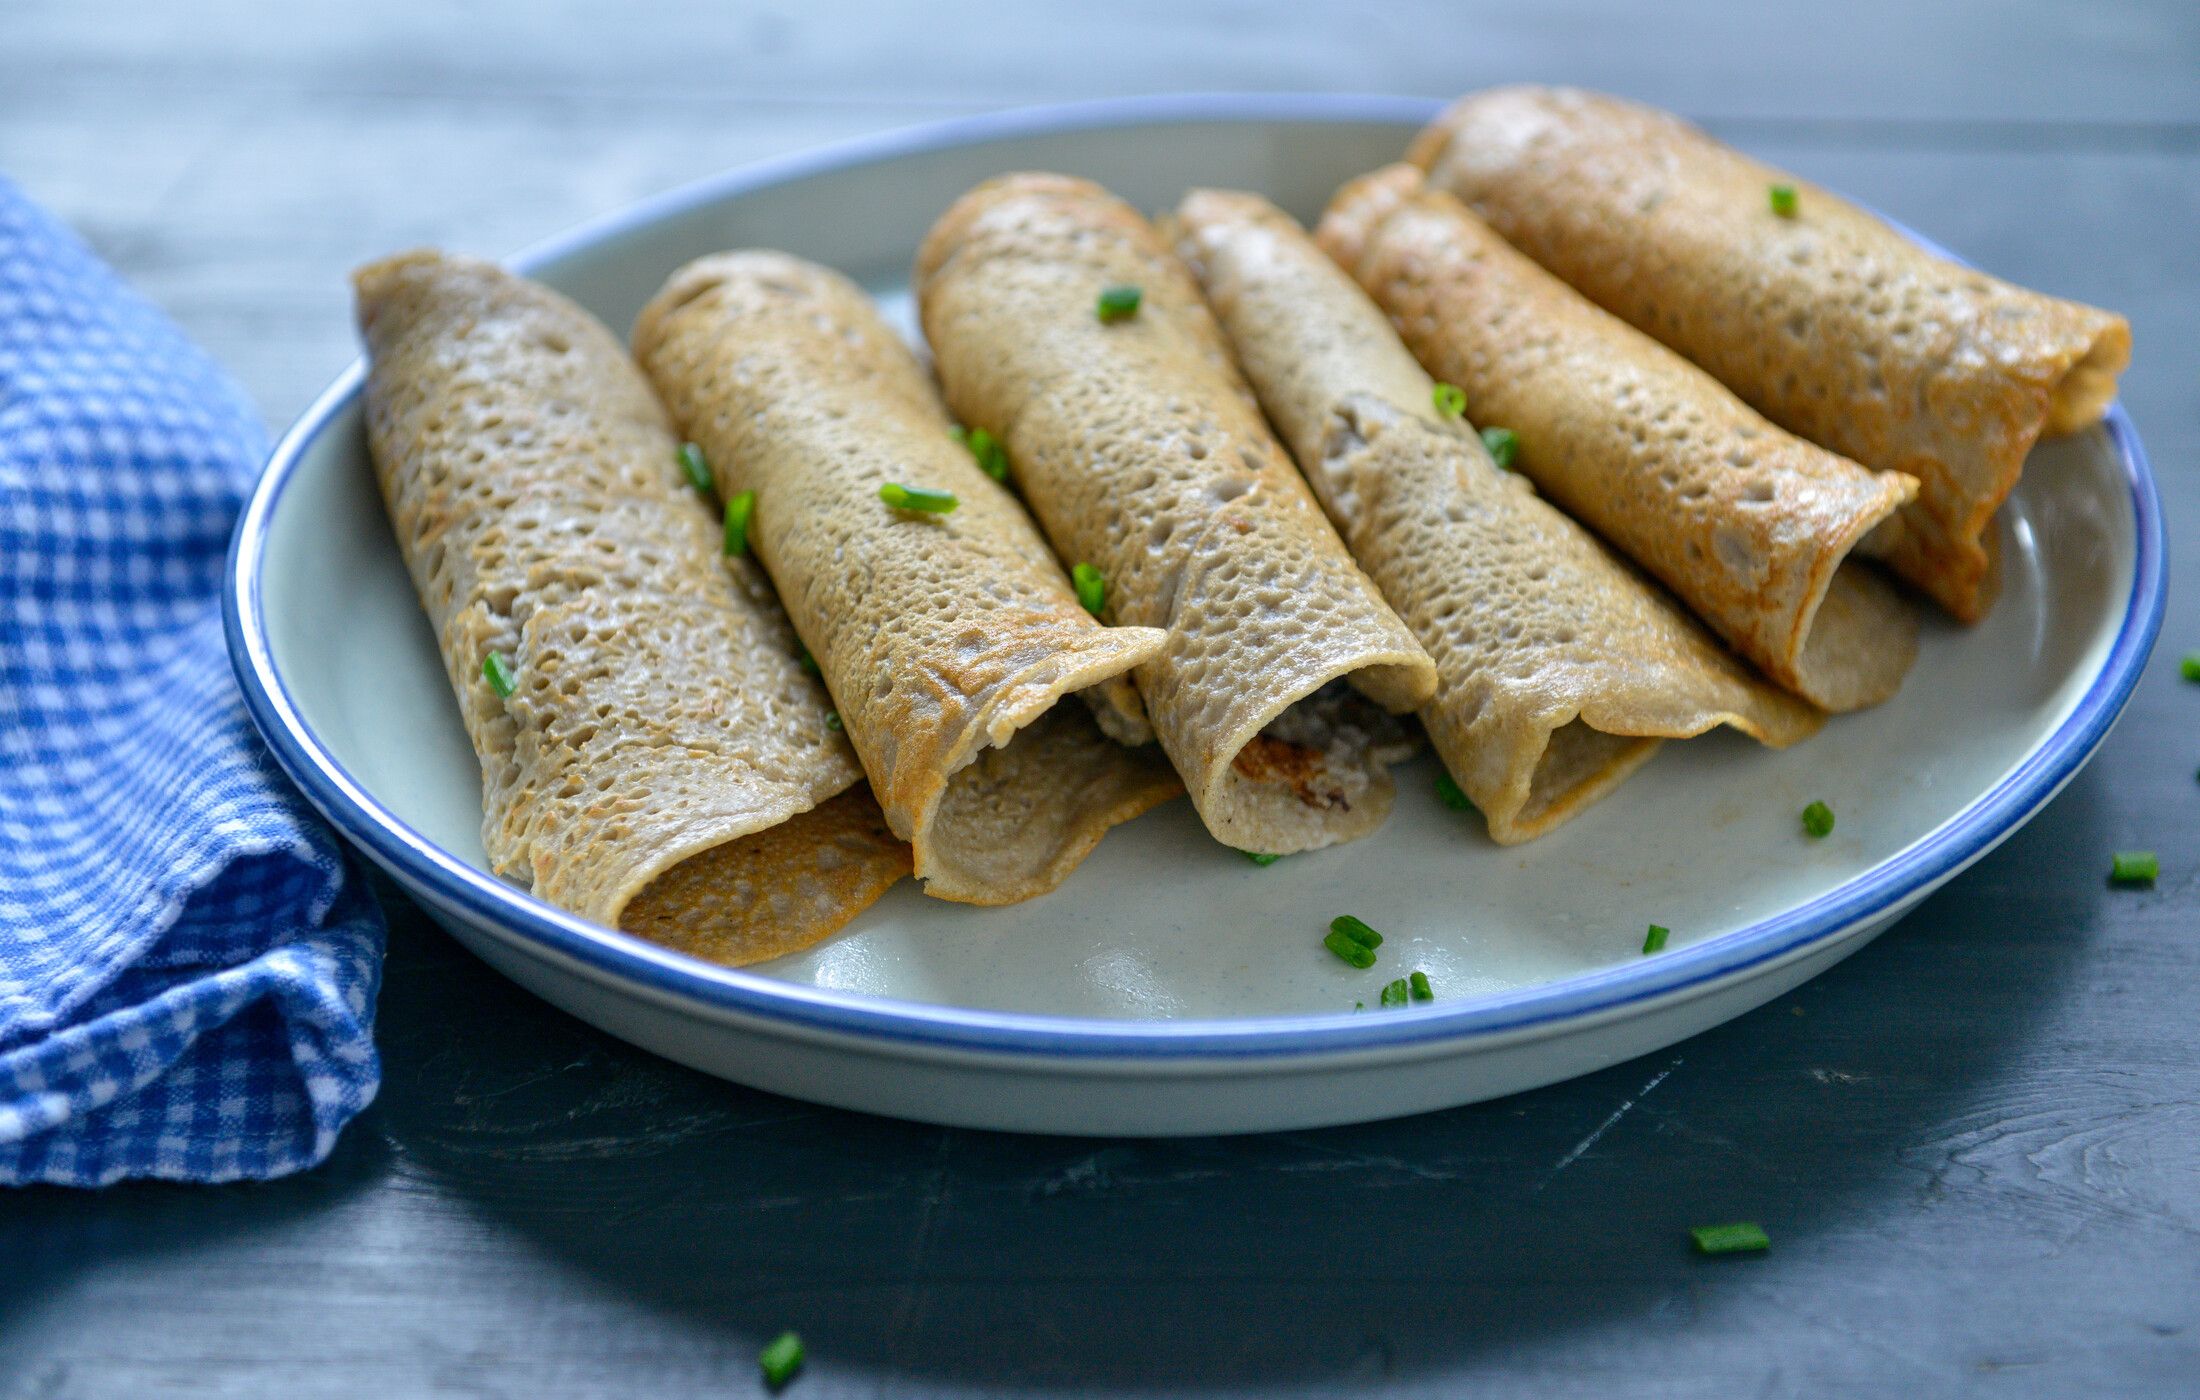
[[1976, 1144]]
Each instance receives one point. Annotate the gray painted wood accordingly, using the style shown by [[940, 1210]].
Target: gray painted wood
[[1976, 1144]]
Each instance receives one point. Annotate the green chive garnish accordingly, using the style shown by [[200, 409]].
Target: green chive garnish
[[1741, 1237], [809, 662], [1258, 858], [1504, 446], [1818, 819], [1355, 953], [1118, 303], [499, 672], [1450, 400], [1092, 587], [738, 511], [1784, 202], [781, 1358], [1418, 985], [1396, 993], [695, 465], [992, 460], [1345, 926], [832, 720], [918, 498], [2134, 868], [1359, 1006], [1654, 941], [2189, 668], [1451, 794]]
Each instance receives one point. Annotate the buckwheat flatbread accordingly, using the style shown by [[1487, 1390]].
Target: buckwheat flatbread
[[1143, 454], [950, 639], [1559, 669], [653, 755], [1827, 320], [1751, 527]]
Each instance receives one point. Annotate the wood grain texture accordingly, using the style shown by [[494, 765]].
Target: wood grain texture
[[1976, 1144]]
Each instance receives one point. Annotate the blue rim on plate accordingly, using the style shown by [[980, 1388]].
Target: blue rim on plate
[[747, 996]]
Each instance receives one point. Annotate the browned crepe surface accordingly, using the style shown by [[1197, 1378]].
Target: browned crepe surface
[[1829, 322], [953, 643], [661, 732], [1142, 453], [1559, 668], [1748, 525]]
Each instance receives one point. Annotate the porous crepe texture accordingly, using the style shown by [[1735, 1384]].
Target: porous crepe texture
[[1559, 669], [1829, 322], [1142, 452], [1748, 524], [948, 640], [663, 763]]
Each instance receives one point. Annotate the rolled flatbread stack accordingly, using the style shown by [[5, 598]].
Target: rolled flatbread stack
[[653, 755], [948, 638], [1143, 454], [1750, 526], [1824, 318], [1559, 670]]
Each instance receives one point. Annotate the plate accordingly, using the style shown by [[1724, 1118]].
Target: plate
[[1170, 986]]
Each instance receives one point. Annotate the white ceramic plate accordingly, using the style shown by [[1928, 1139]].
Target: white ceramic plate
[[1170, 986]]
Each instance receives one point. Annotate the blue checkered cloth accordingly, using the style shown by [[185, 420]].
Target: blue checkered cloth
[[187, 966]]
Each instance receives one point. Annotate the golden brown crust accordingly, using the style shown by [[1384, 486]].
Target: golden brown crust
[[1830, 322], [1748, 524], [942, 637], [1141, 451], [660, 723], [1559, 668]]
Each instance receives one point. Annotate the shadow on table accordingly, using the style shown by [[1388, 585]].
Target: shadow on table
[[1362, 1251], [1395, 1248]]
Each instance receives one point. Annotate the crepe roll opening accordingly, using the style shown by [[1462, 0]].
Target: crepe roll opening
[[775, 892], [2085, 390], [950, 636]]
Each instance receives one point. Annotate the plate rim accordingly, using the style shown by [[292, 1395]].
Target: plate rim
[[610, 956]]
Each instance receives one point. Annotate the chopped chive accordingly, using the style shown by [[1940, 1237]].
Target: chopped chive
[[1359, 1006], [1259, 858], [1451, 794], [1741, 1237], [738, 511], [809, 662], [992, 460], [696, 465], [1784, 202], [918, 498], [1345, 926], [1355, 953], [1504, 446], [2135, 868], [2189, 667], [1418, 985], [1119, 303], [1092, 587], [1450, 400], [1654, 941], [1818, 819], [499, 672], [781, 1358], [1396, 993], [832, 720]]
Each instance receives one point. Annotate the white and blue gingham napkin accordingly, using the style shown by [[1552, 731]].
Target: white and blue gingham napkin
[[187, 966]]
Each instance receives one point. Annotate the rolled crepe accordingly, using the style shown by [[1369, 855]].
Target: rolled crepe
[[1828, 322], [1747, 524], [1559, 670], [1142, 453], [662, 762], [948, 640]]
